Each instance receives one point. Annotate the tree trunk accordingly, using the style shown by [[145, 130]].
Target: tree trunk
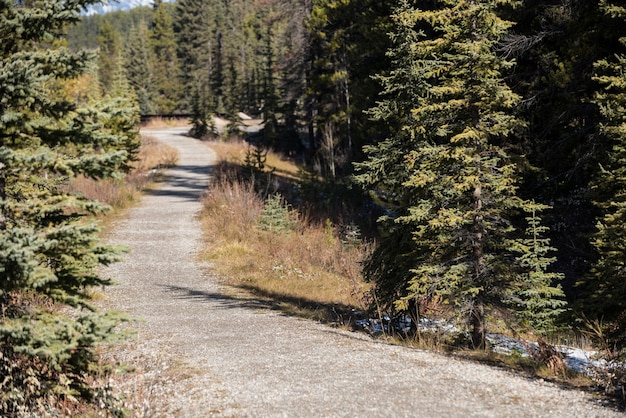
[[3, 192], [477, 318], [478, 324], [414, 314]]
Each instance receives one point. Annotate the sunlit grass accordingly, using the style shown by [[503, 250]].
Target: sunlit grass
[[233, 151], [311, 264], [161, 122]]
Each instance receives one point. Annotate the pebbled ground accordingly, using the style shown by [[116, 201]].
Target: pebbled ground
[[203, 349]]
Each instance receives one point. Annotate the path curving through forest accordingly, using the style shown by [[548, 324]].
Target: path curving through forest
[[204, 349]]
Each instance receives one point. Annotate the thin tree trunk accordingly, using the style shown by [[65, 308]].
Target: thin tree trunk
[[478, 306], [346, 87], [478, 324], [3, 191], [2, 195]]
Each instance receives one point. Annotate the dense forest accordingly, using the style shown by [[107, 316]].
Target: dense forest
[[486, 136], [482, 142]]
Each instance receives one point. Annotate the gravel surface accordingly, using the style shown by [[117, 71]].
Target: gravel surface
[[203, 349]]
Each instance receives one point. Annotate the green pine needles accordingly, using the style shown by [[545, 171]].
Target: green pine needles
[[49, 249], [447, 177]]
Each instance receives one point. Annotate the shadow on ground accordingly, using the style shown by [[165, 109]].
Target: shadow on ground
[[175, 182], [251, 297]]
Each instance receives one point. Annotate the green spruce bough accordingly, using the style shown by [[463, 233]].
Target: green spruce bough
[[446, 175], [49, 250]]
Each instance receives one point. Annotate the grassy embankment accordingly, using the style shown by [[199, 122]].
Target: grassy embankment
[[304, 267]]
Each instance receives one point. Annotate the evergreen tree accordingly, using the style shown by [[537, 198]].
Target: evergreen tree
[[268, 92], [540, 299], [446, 172], [165, 60], [120, 86], [606, 287], [348, 41], [109, 52], [49, 250], [555, 45], [195, 52], [140, 68]]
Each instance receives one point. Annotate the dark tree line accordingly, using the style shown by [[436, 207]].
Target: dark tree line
[[489, 134]]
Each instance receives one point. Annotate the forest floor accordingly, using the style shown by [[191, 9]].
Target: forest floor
[[206, 349]]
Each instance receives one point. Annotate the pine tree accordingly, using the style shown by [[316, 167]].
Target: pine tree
[[49, 250], [348, 41], [541, 300], [195, 52], [446, 173], [555, 45], [268, 92]]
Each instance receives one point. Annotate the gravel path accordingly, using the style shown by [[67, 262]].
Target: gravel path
[[205, 350]]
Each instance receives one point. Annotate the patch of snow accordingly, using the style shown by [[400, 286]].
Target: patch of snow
[[576, 359]]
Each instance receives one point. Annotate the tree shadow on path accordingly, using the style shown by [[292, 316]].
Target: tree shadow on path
[[251, 297], [181, 182]]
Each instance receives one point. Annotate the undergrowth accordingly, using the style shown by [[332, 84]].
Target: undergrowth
[[164, 122], [257, 241]]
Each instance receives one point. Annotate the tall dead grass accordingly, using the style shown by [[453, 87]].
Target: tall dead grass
[[233, 150], [161, 122], [311, 264], [119, 193]]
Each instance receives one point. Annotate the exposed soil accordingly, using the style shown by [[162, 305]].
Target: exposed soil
[[204, 349]]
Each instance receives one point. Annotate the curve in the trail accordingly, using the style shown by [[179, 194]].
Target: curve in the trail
[[227, 354]]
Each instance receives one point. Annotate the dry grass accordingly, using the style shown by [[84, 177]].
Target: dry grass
[[309, 266], [119, 193], [160, 123], [233, 151]]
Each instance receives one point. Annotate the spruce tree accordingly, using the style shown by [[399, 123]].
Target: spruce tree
[[49, 249], [109, 50], [446, 174], [348, 41], [195, 53], [605, 300], [555, 45], [164, 60], [140, 68]]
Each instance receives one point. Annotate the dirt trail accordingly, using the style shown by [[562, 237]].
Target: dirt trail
[[206, 350]]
